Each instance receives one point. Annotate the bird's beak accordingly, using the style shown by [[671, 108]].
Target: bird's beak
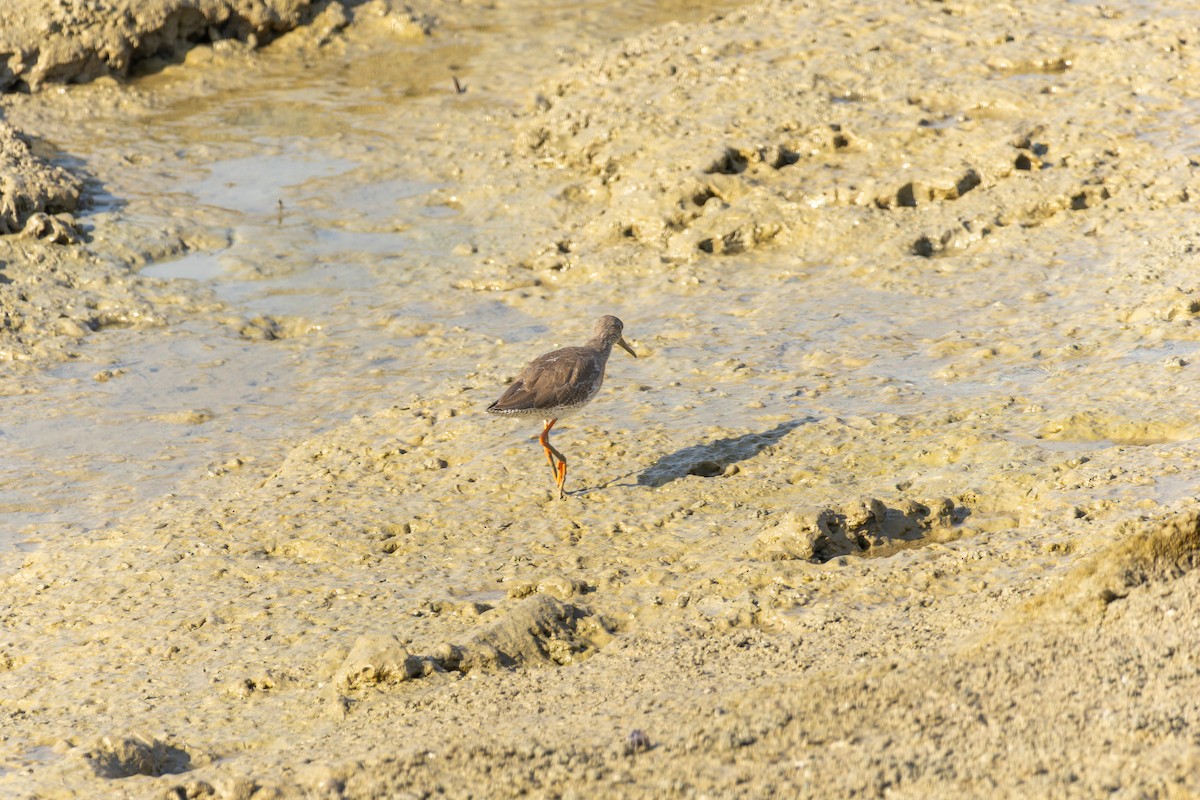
[[628, 349]]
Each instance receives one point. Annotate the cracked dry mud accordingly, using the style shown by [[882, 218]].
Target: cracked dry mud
[[898, 499]]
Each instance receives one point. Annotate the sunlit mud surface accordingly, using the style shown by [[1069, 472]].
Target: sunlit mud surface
[[293, 186], [898, 496]]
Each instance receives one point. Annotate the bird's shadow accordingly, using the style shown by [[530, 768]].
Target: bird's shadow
[[712, 458]]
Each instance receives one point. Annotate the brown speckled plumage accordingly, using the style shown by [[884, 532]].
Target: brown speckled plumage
[[560, 383]]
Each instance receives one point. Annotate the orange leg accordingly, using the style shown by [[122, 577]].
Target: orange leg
[[562, 476], [559, 467], [544, 440]]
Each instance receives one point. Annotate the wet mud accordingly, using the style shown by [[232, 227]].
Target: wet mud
[[898, 498]]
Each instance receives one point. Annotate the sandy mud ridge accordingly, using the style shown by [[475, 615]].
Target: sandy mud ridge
[[43, 43], [943, 130], [33, 191]]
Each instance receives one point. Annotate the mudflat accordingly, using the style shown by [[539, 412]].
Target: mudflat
[[898, 499]]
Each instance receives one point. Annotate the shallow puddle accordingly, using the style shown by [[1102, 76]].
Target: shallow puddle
[[291, 191]]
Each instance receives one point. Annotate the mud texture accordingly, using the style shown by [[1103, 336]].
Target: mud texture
[[34, 190], [45, 43], [42, 44], [899, 498]]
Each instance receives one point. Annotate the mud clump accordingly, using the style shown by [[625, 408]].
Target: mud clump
[[539, 629], [853, 529], [376, 659], [271, 328], [31, 190], [115, 757], [44, 43]]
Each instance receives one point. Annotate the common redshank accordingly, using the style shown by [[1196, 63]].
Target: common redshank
[[560, 383]]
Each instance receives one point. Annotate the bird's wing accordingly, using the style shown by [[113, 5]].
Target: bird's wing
[[562, 378]]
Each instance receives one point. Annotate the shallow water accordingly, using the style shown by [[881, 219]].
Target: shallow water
[[287, 194]]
